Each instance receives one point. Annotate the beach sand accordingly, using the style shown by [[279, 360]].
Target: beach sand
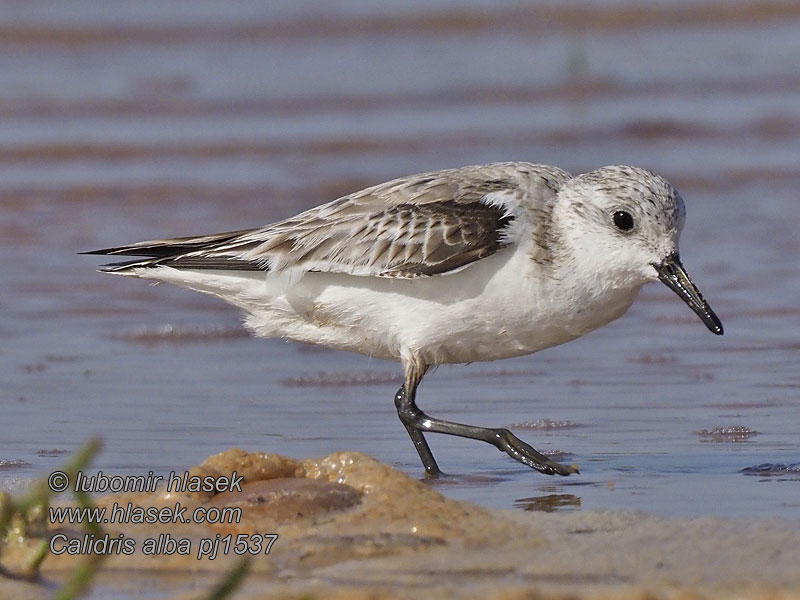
[[351, 527]]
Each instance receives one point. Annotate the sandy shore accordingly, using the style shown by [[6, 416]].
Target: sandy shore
[[351, 527]]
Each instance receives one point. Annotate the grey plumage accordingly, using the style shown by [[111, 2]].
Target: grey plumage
[[422, 225]]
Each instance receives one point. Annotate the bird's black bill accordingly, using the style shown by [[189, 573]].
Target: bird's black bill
[[672, 273]]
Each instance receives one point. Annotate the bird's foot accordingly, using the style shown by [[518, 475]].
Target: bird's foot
[[527, 455]]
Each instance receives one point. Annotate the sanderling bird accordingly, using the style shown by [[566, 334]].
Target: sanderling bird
[[471, 264]]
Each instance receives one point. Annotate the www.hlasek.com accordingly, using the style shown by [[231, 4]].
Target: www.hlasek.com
[[164, 543]]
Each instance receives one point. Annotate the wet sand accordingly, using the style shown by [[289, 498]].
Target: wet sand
[[351, 527]]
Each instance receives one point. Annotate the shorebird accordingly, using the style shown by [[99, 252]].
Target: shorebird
[[471, 264]]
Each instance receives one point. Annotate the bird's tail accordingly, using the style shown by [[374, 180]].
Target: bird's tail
[[199, 252]]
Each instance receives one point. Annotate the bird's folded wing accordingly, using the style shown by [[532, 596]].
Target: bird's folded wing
[[419, 226]]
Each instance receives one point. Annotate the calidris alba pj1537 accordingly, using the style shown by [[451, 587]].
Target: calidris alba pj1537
[[471, 264]]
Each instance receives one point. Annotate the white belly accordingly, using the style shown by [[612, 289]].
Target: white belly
[[496, 308]]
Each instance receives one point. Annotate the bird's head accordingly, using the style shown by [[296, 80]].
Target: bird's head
[[625, 224]]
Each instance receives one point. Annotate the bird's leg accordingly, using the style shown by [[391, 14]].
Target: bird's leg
[[500, 438], [417, 422], [407, 410]]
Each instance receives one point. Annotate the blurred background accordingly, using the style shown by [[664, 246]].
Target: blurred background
[[122, 121]]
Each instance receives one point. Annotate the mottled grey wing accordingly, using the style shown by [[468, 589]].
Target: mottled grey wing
[[418, 226], [405, 240]]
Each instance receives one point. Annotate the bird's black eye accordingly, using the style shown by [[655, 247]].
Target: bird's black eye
[[623, 220]]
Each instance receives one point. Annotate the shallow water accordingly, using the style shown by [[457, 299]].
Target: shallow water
[[154, 120]]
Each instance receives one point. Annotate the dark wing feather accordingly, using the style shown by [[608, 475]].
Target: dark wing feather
[[170, 247]]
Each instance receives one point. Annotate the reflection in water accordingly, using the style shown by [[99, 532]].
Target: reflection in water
[[549, 503]]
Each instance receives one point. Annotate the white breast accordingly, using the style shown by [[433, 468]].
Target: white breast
[[499, 307]]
